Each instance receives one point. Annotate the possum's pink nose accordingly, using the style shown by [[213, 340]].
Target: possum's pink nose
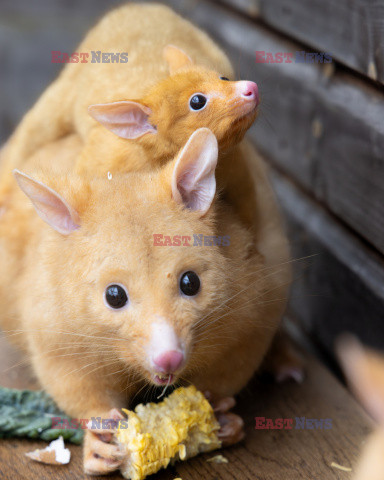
[[169, 362], [248, 90]]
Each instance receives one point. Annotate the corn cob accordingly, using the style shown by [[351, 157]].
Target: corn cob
[[181, 426]]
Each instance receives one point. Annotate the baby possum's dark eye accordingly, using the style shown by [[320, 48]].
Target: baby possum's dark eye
[[197, 101], [224, 78], [190, 283], [115, 296]]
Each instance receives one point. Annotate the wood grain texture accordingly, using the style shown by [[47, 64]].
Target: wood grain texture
[[338, 280], [351, 31], [321, 126], [29, 31], [264, 455]]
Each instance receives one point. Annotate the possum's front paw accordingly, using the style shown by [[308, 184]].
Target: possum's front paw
[[284, 361], [232, 426], [100, 456]]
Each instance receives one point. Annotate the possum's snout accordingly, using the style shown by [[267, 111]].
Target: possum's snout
[[166, 353], [169, 361], [249, 95]]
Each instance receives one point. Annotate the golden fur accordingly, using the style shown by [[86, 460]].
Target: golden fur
[[55, 282], [91, 359], [143, 31]]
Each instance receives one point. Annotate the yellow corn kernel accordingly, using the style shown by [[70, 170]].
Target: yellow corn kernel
[[180, 427]]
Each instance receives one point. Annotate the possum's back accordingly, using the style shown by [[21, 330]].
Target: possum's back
[[142, 31]]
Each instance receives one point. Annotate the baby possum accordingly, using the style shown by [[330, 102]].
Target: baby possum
[[103, 312], [176, 80]]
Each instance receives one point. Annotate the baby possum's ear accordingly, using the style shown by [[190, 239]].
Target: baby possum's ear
[[49, 205], [193, 177], [127, 119], [176, 58]]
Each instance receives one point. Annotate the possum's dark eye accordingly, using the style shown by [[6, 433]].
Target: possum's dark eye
[[116, 296], [197, 101], [224, 78], [190, 283]]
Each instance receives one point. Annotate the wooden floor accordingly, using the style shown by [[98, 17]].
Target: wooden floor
[[264, 455]]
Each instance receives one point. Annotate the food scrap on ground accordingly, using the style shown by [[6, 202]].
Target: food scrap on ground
[[218, 459], [340, 467], [54, 454]]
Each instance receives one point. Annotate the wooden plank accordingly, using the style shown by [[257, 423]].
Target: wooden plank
[[82, 11], [351, 31], [265, 454], [339, 283], [29, 31], [322, 127]]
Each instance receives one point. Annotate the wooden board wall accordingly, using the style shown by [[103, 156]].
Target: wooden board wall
[[350, 30]]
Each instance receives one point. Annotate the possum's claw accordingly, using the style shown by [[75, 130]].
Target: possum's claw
[[223, 405], [290, 372], [232, 428], [100, 456], [284, 361]]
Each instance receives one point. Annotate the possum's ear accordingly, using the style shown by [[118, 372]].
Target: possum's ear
[[127, 119], [49, 205], [176, 58], [364, 369], [193, 177]]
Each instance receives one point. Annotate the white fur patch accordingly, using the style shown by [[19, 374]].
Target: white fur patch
[[163, 339]]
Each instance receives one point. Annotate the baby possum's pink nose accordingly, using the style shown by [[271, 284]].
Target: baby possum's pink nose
[[248, 90], [169, 362]]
